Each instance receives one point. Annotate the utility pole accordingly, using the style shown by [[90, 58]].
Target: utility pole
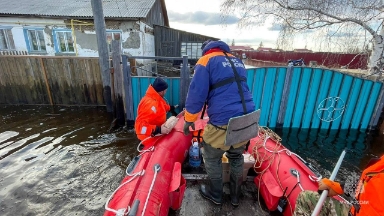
[[101, 35]]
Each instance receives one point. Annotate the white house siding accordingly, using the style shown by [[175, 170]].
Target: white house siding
[[18, 24], [135, 41]]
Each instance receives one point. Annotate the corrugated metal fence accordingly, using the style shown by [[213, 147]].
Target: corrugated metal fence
[[300, 97], [50, 80], [294, 97]]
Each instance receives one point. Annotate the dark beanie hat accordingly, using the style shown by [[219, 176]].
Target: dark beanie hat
[[159, 84], [205, 44]]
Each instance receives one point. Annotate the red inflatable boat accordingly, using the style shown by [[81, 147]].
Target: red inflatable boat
[[154, 182], [282, 174]]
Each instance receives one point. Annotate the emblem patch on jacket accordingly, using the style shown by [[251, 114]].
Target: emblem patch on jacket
[[153, 108]]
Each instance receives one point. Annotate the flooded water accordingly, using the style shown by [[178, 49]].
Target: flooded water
[[63, 161], [59, 162]]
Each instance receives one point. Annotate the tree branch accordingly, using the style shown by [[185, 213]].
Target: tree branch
[[359, 22]]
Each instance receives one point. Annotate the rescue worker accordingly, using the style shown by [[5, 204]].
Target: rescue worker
[[214, 83], [367, 200], [152, 111]]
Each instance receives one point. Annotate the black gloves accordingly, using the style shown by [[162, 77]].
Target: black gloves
[[173, 111], [186, 127], [156, 131]]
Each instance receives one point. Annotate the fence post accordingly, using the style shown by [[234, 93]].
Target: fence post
[[128, 92], [118, 83], [101, 35], [46, 81], [284, 97], [184, 82], [378, 110]]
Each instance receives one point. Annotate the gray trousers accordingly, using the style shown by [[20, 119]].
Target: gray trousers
[[213, 163]]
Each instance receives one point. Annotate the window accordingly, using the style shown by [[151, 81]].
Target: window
[[193, 50], [35, 40], [64, 42], [112, 36], [6, 40]]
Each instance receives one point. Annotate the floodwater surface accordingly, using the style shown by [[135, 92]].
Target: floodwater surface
[[63, 160], [59, 162]]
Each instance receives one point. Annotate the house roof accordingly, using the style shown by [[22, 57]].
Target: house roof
[[77, 8], [302, 50], [264, 48], [240, 48]]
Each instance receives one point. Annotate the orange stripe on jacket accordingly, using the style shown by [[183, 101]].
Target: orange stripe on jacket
[[205, 59], [189, 117]]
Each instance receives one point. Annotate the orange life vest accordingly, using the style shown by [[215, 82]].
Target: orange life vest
[[370, 191], [198, 135]]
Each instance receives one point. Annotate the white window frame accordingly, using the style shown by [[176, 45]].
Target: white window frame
[[58, 46], [191, 49], [10, 44], [35, 32]]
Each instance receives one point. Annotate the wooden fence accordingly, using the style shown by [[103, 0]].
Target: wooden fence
[[50, 80]]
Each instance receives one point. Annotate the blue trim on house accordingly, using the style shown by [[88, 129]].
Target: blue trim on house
[[27, 40], [118, 31], [25, 31], [55, 41]]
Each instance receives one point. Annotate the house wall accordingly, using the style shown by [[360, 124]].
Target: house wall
[[155, 15], [168, 42], [18, 25], [137, 38]]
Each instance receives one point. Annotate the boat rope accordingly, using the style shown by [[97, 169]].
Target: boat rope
[[152, 148], [315, 179], [270, 134], [157, 169], [126, 211], [261, 158], [344, 200], [297, 173]]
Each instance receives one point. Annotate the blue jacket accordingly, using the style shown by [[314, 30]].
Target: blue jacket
[[223, 102]]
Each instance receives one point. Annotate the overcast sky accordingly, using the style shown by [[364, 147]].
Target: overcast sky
[[203, 17]]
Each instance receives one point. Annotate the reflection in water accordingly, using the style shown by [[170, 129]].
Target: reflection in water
[[59, 162], [323, 148], [63, 161], [7, 135]]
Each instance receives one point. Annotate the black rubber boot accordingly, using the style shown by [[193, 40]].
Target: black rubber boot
[[235, 189], [213, 192]]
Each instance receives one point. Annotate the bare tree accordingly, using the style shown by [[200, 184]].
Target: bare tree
[[344, 23], [233, 42]]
